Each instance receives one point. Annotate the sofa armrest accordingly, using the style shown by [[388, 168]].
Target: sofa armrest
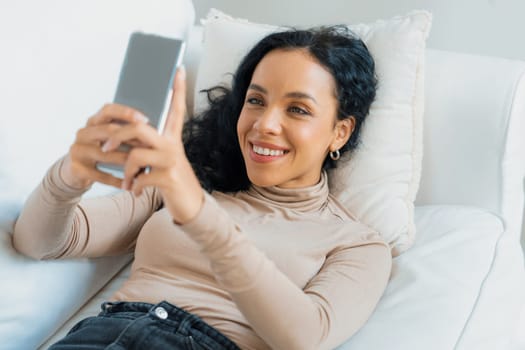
[[474, 150]]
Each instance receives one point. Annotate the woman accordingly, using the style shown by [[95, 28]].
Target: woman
[[266, 258]]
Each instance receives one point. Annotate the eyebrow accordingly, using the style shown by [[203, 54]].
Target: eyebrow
[[293, 94]]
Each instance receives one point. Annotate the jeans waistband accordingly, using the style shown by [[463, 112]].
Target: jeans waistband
[[171, 313]]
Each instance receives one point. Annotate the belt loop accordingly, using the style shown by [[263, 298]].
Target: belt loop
[[107, 305]]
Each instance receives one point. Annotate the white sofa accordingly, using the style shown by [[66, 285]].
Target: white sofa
[[462, 284]]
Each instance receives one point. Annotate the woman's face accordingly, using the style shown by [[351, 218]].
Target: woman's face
[[288, 121]]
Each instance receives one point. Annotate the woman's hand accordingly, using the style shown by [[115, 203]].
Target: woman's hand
[[79, 169], [170, 170]]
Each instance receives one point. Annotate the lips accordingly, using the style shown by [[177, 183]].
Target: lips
[[265, 152]]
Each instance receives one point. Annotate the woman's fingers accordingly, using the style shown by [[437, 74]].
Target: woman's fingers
[[140, 159], [181, 191], [101, 177], [96, 134], [86, 151], [82, 161], [141, 134], [144, 180], [177, 109], [113, 112], [91, 155]]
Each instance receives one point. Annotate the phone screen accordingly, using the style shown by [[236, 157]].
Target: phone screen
[[147, 75], [146, 79]]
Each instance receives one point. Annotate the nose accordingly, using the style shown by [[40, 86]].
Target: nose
[[269, 122]]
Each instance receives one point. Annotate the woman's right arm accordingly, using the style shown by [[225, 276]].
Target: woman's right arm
[[55, 223]]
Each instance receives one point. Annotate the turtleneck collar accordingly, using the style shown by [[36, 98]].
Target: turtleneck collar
[[305, 199]]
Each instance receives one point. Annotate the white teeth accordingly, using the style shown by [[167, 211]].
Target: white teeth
[[267, 151]]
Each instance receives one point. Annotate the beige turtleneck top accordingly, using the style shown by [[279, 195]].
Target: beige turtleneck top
[[268, 267]]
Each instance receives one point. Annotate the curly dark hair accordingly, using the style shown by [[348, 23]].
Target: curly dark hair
[[210, 139]]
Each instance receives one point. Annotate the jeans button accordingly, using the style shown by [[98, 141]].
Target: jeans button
[[161, 313]]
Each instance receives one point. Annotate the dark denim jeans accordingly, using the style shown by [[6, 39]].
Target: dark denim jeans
[[134, 325]]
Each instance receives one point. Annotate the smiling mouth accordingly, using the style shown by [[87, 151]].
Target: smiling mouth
[[262, 154], [263, 151]]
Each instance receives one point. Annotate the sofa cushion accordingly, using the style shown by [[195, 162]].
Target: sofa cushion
[[379, 183], [41, 295], [91, 308], [435, 285]]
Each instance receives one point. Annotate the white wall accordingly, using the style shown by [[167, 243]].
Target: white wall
[[489, 27]]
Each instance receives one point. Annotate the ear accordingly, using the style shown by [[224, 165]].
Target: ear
[[342, 131]]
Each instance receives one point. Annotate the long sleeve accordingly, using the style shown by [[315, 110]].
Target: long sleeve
[[330, 308], [56, 223]]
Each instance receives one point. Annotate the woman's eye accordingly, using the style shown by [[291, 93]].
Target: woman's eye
[[254, 101], [298, 110]]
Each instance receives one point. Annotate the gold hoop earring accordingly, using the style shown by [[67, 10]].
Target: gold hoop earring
[[335, 155]]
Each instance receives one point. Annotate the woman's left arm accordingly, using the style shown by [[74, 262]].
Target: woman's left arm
[[326, 312]]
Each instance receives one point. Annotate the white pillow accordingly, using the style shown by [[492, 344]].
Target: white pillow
[[60, 63], [380, 182]]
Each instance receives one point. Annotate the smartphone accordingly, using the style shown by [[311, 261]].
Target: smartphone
[[146, 80]]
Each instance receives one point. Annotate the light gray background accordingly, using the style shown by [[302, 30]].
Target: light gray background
[[487, 27]]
